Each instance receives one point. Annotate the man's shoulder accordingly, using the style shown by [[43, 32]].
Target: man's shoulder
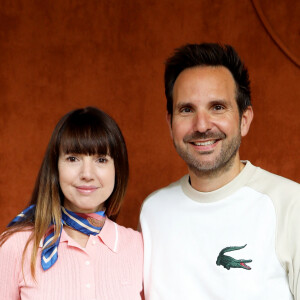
[[168, 189], [280, 189], [268, 180], [165, 192]]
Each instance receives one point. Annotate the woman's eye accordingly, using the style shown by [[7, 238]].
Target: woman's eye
[[71, 158], [102, 160]]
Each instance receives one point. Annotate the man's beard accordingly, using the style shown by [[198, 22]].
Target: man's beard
[[220, 164]]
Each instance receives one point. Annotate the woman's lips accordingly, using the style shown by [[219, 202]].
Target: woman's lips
[[86, 189]]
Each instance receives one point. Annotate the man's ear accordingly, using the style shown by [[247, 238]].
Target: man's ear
[[169, 121], [246, 120]]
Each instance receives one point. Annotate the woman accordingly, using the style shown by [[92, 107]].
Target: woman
[[65, 245]]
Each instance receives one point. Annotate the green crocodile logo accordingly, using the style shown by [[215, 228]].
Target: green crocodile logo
[[229, 262]]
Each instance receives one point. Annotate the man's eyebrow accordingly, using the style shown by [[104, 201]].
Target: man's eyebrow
[[220, 102], [211, 103], [183, 104]]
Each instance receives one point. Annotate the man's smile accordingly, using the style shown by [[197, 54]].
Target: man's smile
[[206, 143]]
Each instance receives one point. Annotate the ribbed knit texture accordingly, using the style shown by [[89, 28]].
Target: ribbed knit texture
[[109, 267]]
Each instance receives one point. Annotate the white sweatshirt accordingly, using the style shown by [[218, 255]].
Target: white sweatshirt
[[256, 215]]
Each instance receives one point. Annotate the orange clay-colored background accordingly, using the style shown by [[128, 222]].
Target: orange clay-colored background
[[56, 56]]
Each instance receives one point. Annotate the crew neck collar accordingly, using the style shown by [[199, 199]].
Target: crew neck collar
[[226, 190]]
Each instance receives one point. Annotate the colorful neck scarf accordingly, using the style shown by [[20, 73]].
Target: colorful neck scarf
[[89, 224]]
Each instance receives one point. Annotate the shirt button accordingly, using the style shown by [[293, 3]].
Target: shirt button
[[87, 262], [93, 242], [88, 285]]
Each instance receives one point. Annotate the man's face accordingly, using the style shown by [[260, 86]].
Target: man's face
[[206, 126]]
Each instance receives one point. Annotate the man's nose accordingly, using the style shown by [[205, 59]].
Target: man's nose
[[202, 121]]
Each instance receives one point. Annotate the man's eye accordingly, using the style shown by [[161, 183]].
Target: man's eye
[[218, 107], [185, 110]]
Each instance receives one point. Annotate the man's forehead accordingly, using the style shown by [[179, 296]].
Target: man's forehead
[[203, 80], [202, 71]]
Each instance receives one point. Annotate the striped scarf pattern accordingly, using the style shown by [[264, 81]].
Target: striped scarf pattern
[[89, 224]]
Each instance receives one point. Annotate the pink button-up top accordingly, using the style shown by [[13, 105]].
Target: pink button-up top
[[110, 267]]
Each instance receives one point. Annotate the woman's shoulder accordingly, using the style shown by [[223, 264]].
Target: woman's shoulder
[[129, 232], [15, 241], [128, 236]]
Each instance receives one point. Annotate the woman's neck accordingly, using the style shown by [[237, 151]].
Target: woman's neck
[[77, 236]]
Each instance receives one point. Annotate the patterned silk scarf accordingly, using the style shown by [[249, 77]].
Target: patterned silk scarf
[[85, 223]]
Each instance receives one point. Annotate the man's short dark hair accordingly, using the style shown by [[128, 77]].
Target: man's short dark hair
[[208, 54]]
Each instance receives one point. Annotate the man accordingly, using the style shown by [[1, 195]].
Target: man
[[228, 230]]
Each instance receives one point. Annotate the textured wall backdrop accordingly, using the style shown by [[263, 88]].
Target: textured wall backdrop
[[60, 55]]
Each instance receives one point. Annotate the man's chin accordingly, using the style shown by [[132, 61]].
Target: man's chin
[[202, 167], [207, 168], [203, 162]]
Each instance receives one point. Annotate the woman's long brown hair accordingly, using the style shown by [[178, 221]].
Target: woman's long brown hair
[[86, 131]]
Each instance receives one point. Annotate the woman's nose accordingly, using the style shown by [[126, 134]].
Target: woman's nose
[[86, 170]]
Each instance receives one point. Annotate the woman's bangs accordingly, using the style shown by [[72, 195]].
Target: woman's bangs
[[84, 140]]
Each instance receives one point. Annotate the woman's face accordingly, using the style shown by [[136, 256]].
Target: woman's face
[[86, 181]]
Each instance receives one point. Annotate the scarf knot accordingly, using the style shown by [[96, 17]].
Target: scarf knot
[[89, 224]]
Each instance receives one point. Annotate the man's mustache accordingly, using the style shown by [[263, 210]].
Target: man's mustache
[[204, 136]]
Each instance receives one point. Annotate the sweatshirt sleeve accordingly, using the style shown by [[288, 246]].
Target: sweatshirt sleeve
[[292, 248], [285, 195], [288, 236]]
